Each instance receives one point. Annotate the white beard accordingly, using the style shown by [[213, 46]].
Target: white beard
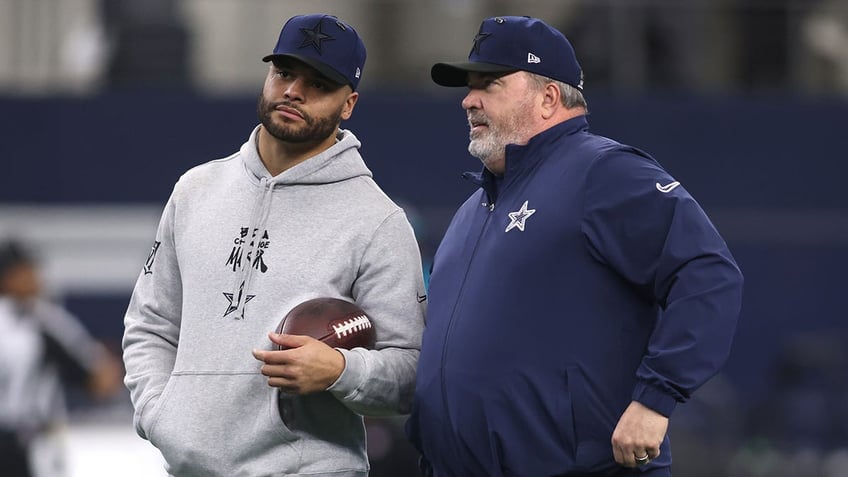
[[490, 145]]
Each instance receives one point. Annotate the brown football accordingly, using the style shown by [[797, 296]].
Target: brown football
[[338, 323]]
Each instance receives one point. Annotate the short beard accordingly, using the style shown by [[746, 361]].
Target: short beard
[[490, 146], [314, 130]]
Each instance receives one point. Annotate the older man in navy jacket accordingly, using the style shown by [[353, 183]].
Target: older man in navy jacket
[[577, 297]]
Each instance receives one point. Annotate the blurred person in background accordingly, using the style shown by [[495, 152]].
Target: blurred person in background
[[293, 215], [43, 349], [824, 31], [577, 297]]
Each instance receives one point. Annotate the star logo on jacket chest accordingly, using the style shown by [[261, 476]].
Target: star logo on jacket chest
[[518, 219]]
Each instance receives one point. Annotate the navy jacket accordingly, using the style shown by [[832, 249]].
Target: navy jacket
[[583, 279]]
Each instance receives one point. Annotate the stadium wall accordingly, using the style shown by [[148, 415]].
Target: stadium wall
[[84, 180]]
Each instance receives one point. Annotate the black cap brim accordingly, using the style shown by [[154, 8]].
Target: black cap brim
[[456, 74], [322, 68]]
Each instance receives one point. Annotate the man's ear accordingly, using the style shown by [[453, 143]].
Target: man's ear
[[349, 104], [551, 100]]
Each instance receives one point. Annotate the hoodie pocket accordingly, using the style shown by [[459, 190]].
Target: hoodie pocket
[[211, 424], [150, 417]]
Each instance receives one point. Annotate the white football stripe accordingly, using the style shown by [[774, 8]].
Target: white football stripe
[[352, 325]]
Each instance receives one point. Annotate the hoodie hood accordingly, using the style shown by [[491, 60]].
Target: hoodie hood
[[339, 162]]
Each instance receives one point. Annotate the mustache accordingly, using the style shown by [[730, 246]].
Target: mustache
[[288, 104], [475, 118]]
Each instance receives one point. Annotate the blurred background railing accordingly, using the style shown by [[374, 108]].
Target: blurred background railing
[[104, 103]]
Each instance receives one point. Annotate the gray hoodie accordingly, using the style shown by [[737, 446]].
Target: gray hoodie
[[236, 249]]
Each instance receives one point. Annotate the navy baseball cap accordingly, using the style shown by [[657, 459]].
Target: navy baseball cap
[[507, 44], [325, 43]]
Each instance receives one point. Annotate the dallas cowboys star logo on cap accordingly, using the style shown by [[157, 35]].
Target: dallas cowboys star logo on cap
[[518, 218], [478, 39], [314, 36]]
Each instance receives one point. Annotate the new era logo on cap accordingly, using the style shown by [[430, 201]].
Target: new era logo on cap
[[325, 43], [506, 44]]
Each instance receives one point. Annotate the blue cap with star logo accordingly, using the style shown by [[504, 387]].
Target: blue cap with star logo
[[325, 43], [508, 44]]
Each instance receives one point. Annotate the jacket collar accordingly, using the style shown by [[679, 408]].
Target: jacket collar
[[525, 157]]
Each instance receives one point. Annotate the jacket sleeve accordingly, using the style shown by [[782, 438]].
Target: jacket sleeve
[[152, 324], [390, 288], [645, 225]]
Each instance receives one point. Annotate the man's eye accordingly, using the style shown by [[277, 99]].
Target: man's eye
[[319, 85]]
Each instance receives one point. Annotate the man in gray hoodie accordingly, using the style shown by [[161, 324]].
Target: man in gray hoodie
[[293, 215]]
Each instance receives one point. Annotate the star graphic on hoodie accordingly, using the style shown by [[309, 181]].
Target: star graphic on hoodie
[[314, 37], [519, 217], [235, 301]]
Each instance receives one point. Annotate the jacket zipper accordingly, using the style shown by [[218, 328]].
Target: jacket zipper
[[491, 208]]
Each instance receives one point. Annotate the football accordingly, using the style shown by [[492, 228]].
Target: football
[[338, 323]]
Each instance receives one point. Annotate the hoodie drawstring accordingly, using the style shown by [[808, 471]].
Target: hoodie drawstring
[[251, 256]]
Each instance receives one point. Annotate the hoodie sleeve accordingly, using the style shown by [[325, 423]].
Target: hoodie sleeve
[[643, 224], [390, 288], [152, 324]]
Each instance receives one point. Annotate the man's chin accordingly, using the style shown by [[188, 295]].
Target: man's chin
[[285, 133], [475, 149]]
